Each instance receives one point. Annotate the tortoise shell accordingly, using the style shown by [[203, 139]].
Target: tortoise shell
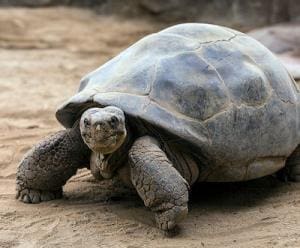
[[213, 87]]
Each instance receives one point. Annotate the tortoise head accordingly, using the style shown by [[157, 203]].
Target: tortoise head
[[103, 129]]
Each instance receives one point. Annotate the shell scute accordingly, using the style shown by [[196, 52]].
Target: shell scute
[[187, 84]]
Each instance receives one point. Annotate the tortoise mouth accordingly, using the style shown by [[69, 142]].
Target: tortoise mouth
[[116, 135], [104, 143]]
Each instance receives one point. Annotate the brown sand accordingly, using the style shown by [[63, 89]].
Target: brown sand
[[43, 55]]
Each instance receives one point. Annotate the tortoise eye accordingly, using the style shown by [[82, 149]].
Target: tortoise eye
[[86, 122], [114, 121]]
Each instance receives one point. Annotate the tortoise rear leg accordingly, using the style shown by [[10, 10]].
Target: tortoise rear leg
[[291, 171], [49, 164], [158, 183]]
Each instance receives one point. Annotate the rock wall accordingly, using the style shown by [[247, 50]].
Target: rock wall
[[243, 14]]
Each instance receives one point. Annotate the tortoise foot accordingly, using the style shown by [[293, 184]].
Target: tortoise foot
[[167, 220], [37, 196]]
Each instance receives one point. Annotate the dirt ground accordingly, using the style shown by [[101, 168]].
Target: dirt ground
[[43, 55]]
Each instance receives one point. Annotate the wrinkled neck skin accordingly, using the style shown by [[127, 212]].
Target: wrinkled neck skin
[[107, 164]]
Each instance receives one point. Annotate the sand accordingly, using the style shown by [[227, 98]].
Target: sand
[[43, 55]]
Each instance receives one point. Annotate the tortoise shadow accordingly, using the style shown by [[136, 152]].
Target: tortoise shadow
[[125, 203], [236, 194]]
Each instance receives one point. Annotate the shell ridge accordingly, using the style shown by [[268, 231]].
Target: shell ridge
[[220, 40], [153, 80], [203, 42]]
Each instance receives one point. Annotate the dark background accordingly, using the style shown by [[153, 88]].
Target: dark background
[[241, 14]]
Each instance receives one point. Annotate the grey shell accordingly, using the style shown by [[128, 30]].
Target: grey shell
[[214, 87]]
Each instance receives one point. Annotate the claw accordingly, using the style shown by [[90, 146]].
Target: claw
[[37, 196], [26, 199], [17, 194], [168, 219]]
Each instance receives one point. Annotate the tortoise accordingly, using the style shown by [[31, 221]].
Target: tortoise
[[191, 103]]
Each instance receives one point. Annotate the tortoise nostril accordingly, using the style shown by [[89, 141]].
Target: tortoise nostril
[[99, 123], [98, 127]]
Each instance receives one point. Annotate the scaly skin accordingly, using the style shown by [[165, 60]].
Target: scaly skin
[[158, 183], [49, 164]]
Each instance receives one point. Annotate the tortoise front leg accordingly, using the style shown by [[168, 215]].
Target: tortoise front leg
[[49, 164], [158, 183]]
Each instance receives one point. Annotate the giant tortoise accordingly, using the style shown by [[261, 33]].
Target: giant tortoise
[[193, 102]]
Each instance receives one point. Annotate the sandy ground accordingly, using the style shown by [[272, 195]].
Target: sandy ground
[[43, 55]]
